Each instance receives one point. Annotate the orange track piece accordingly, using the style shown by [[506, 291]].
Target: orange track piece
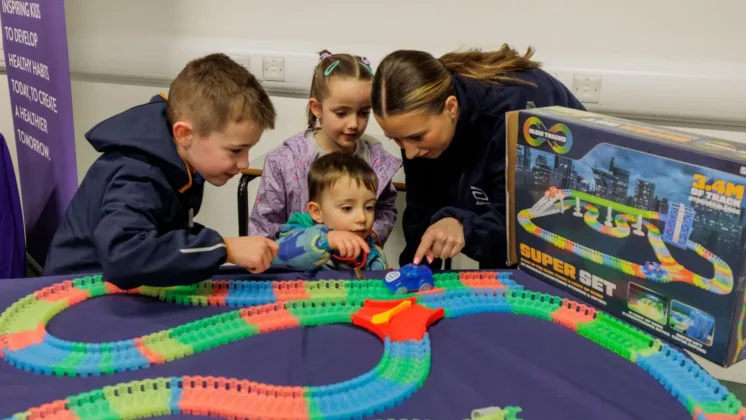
[[54, 410], [111, 288], [434, 291], [410, 324], [220, 289], [480, 280], [23, 339], [231, 398], [270, 317], [570, 314], [290, 290], [740, 416]]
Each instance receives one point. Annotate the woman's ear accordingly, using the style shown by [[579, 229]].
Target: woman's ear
[[451, 107], [315, 108], [314, 209]]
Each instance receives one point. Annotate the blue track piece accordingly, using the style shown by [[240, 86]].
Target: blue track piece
[[90, 365], [250, 293], [689, 383], [175, 384], [127, 357], [468, 301], [379, 393]]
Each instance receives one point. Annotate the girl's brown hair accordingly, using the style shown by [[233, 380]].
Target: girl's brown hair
[[335, 65], [408, 80]]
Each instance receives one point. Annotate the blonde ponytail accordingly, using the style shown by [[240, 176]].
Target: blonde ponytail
[[490, 66], [408, 80]]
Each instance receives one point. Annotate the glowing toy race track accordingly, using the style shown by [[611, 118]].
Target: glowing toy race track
[[401, 322], [678, 226]]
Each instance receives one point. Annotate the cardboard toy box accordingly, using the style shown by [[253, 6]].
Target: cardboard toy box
[[643, 222]]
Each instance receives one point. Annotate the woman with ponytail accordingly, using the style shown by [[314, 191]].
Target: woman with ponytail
[[447, 115]]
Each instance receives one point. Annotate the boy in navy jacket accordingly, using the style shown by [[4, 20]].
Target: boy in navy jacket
[[132, 216]]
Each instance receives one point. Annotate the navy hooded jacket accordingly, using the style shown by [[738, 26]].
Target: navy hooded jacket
[[467, 181], [131, 217]]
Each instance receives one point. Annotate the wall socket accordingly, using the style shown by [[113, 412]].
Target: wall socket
[[587, 88], [274, 69]]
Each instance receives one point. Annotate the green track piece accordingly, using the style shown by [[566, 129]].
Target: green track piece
[[538, 305], [448, 281], [317, 312], [37, 311], [396, 371], [21, 416], [313, 410], [621, 208], [511, 413], [91, 405], [655, 347], [166, 346], [67, 366], [92, 284], [86, 282], [205, 288], [326, 289], [616, 336], [370, 289], [106, 362], [140, 399], [730, 405], [95, 289]]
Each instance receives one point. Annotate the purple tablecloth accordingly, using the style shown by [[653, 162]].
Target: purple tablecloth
[[477, 361]]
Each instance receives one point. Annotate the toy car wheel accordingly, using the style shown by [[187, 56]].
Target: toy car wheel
[[425, 287], [401, 290]]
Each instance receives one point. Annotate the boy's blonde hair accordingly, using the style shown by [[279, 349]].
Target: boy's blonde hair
[[213, 91], [330, 168], [335, 66]]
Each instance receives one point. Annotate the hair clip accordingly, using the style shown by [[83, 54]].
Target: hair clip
[[365, 63], [330, 68]]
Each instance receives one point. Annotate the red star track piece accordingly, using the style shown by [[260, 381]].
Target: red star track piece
[[409, 324]]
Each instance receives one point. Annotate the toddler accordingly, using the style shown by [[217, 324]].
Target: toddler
[[336, 230], [340, 104]]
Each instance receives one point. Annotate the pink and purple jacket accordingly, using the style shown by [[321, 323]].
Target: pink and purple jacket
[[283, 187]]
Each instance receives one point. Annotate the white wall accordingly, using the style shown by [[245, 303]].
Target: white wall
[[667, 30]]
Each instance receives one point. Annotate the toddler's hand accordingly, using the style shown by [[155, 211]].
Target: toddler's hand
[[254, 253], [348, 244]]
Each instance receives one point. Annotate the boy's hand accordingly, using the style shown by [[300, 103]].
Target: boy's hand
[[254, 253], [348, 244]]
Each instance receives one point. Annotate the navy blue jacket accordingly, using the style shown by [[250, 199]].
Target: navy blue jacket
[[131, 217], [467, 181]]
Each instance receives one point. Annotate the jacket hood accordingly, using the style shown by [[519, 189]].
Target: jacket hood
[[144, 128]]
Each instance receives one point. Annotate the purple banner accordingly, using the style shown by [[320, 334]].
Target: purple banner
[[36, 59]]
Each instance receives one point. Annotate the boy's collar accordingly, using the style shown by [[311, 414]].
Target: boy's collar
[[193, 177]]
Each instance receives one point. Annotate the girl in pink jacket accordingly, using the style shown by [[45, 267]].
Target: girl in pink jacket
[[340, 103]]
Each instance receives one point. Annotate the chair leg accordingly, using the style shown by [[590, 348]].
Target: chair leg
[[243, 204]]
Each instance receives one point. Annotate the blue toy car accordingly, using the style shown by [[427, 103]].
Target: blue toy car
[[653, 271], [410, 278]]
